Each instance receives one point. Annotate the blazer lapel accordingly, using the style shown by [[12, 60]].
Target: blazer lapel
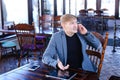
[[64, 48]]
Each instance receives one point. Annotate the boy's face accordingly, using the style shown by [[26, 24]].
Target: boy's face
[[70, 26]]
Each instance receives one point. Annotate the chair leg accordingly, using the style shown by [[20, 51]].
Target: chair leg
[[15, 50], [35, 55], [0, 54], [28, 56], [41, 53], [19, 59], [19, 62]]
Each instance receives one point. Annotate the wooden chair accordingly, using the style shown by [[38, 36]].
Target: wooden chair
[[90, 12], [45, 21], [83, 18], [56, 23], [97, 56], [83, 12], [99, 23], [7, 47], [27, 39], [90, 9], [104, 9], [100, 20], [98, 12]]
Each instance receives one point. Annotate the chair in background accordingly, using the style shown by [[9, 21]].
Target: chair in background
[[56, 23], [90, 9], [41, 43], [90, 20], [99, 23], [105, 15], [97, 56], [98, 12], [104, 10], [83, 18], [27, 40], [90, 12], [9, 44], [100, 20], [7, 47], [83, 12], [45, 22]]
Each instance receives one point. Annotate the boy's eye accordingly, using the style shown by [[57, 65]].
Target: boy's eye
[[73, 22]]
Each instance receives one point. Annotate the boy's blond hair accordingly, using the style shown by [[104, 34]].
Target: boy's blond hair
[[67, 18]]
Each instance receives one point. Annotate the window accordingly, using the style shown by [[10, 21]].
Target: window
[[110, 5], [91, 4], [48, 5], [15, 10], [59, 7], [67, 8], [73, 6], [80, 5], [0, 19], [35, 12], [119, 9]]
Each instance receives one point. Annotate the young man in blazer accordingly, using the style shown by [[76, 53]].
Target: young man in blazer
[[67, 48]]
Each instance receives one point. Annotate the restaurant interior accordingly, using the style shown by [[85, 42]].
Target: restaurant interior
[[26, 27]]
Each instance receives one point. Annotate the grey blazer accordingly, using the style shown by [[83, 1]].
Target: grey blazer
[[57, 49]]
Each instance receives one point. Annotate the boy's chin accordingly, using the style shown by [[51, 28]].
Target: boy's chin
[[75, 31]]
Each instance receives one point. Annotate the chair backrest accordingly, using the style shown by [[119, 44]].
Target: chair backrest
[[45, 21], [97, 56], [83, 12], [90, 10], [98, 12], [25, 35], [56, 25], [56, 21]]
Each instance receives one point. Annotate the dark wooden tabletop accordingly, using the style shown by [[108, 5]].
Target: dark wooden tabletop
[[7, 31], [37, 32], [23, 73]]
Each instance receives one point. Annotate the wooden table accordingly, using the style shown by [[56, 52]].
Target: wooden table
[[13, 31], [23, 73], [7, 31]]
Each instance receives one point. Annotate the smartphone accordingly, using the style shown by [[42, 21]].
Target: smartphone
[[34, 67]]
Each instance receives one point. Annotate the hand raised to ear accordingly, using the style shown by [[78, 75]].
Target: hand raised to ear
[[82, 29]]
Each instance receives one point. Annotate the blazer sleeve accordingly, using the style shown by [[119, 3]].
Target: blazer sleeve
[[50, 55], [93, 41]]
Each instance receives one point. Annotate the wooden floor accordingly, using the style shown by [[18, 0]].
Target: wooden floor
[[111, 64]]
